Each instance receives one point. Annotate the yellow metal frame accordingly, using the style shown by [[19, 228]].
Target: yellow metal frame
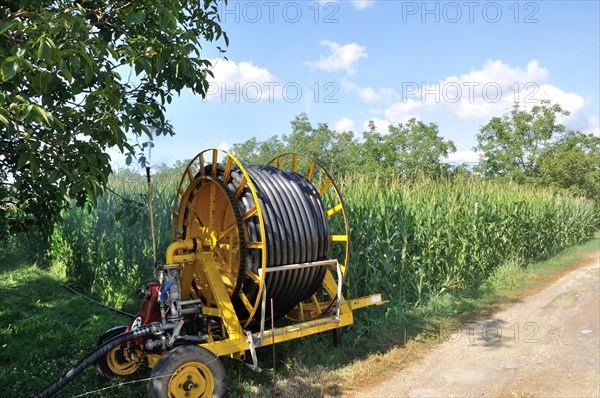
[[237, 342], [196, 259], [196, 169]]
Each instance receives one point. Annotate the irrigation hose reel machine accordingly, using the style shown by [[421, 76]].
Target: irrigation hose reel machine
[[252, 245]]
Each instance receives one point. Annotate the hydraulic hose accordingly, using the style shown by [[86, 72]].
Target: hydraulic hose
[[97, 354]]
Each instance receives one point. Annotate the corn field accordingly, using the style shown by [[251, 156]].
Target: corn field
[[410, 241]]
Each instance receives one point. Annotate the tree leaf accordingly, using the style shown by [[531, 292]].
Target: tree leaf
[[44, 50], [135, 17], [6, 25], [9, 68], [45, 115]]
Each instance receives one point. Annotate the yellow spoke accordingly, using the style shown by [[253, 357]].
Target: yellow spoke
[[245, 301], [226, 231], [249, 213], [253, 277], [227, 169], [338, 238], [334, 210], [295, 162], [213, 206], [240, 188], [324, 186], [214, 161], [193, 211], [311, 169], [201, 161], [316, 302]]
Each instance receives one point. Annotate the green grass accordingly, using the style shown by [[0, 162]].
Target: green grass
[[44, 330]]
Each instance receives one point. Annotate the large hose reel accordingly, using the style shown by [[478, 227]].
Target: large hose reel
[[273, 228]]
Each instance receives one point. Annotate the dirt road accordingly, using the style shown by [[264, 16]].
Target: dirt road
[[545, 346]]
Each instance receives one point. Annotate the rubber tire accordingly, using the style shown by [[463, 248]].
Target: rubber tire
[[158, 387], [101, 366]]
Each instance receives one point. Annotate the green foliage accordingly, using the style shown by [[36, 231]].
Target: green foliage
[[511, 144], [45, 330], [417, 240], [532, 147], [108, 250], [78, 78], [409, 150], [572, 163], [414, 240]]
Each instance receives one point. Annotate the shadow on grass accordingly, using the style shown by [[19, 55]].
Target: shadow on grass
[[44, 331]]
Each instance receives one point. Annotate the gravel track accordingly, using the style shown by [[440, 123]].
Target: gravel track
[[547, 345]]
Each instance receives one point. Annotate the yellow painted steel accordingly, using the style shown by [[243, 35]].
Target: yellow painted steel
[[197, 174], [200, 260], [192, 379], [235, 342], [366, 301], [152, 359], [119, 364]]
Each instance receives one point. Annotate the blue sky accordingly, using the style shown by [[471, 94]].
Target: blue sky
[[456, 64]]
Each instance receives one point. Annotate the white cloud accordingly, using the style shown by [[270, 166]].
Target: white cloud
[[341, 57], [462, 157], [243, 72], [242, 82], [486, 92], [381, 125], [344, 124], [224, 146], [402, 111], [593, 127], [370, 96], [362, 4]]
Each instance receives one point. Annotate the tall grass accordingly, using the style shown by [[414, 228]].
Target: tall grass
[[411, 241], [108, 250], [418, 240]]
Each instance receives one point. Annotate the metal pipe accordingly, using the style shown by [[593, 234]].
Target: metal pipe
[[298, 266], [187, 244], [151, 214]]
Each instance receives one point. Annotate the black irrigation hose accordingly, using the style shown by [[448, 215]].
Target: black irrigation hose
[[296, 228], [297, 232], [96, 354]]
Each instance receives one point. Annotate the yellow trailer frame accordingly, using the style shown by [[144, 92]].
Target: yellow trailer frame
[[206, 240], [238, 341]]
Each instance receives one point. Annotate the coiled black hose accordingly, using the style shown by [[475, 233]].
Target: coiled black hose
[[297, 232], [296, 229], [96, 354]]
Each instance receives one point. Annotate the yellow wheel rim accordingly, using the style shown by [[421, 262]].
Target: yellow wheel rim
[[218, 229], [119, 364], [193, 380]]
